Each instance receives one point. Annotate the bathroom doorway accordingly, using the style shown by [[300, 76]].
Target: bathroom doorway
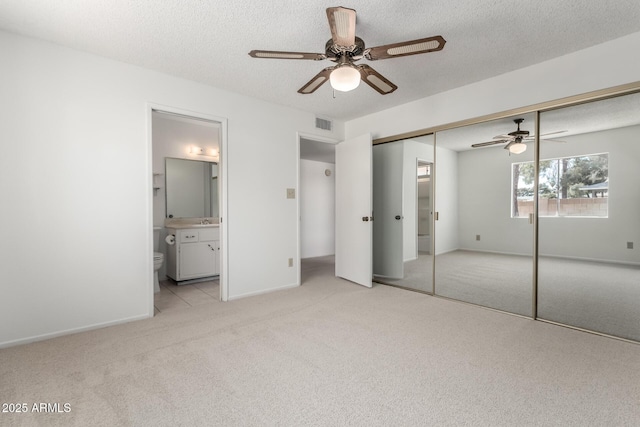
[[193, 139], [316, 208]]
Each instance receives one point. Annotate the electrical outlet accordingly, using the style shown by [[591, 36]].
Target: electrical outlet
[[629, 245], [291, 193], [477, 237], [290, 262]]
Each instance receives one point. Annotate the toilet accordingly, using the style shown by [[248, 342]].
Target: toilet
[[158, 258]]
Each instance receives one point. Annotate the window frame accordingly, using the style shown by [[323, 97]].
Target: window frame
[[513, 191]]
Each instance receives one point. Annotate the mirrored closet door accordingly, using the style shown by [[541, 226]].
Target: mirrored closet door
[[482, 214], [402, 210], [484, 201], [589, 224]]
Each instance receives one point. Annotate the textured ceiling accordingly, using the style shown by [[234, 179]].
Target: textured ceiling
[[209, 41]]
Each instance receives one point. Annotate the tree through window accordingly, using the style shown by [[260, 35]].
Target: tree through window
[[568, 186]]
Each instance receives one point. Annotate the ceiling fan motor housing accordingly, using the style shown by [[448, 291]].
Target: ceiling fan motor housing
[[519, 133], [334, 52]]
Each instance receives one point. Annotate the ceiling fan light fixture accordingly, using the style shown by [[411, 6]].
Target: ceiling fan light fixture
[[345, 78], [518, 148]]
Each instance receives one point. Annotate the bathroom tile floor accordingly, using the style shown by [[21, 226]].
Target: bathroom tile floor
[[174, 297]]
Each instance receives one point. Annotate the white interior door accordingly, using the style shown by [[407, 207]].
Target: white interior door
[[388, 177], [354, 210]]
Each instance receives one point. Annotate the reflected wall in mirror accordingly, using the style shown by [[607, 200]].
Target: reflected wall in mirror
[[483, 253], [191, 188], [588, 266], [402, 211]]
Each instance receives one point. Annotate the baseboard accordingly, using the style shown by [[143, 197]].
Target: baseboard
[[192, 281], [449, 251], [571, 258], [317, 256], [604, 261], [493, 252], [48, 336], [380, 276], [261, 292]]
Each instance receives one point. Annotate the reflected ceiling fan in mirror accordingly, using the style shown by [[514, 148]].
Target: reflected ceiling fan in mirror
[[345, 49], [515, 140]]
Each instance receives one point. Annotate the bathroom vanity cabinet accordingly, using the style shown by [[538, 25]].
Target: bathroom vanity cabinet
[[195, 254]]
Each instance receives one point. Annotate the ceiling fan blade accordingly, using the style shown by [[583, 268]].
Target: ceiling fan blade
[[542, 136], [503, 136], [552, 133], [286, 55], [342, 22], [376, 80], [413, 47], [317, 81], [488, 143], [553, 140]]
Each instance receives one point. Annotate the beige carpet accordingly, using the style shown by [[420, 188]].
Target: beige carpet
[[327, 353], [418, 274]]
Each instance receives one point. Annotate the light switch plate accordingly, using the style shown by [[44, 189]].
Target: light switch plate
[[291, 193]]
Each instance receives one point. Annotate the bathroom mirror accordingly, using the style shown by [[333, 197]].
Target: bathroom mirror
[[191, 188]]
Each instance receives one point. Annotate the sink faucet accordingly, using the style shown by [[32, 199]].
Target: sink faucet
[[204, 221]]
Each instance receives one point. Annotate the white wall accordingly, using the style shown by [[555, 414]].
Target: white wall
[[485, 201], [317, 209], [76, 178], [605, 65], [446, 200], [484, 193]]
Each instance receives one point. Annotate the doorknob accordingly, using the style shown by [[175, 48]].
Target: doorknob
[[398, 217]]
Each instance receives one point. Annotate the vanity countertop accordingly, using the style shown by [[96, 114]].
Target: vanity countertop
[[187, 226], [191, 223]]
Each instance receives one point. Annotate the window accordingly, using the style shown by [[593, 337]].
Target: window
[[568, 187]]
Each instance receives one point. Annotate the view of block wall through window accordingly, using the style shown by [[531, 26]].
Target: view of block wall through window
[[568, 186]]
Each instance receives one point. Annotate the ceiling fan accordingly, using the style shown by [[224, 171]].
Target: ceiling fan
[[515, 140], [345, 49]]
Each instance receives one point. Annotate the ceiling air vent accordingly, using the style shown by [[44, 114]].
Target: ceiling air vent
[[323, 123]]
